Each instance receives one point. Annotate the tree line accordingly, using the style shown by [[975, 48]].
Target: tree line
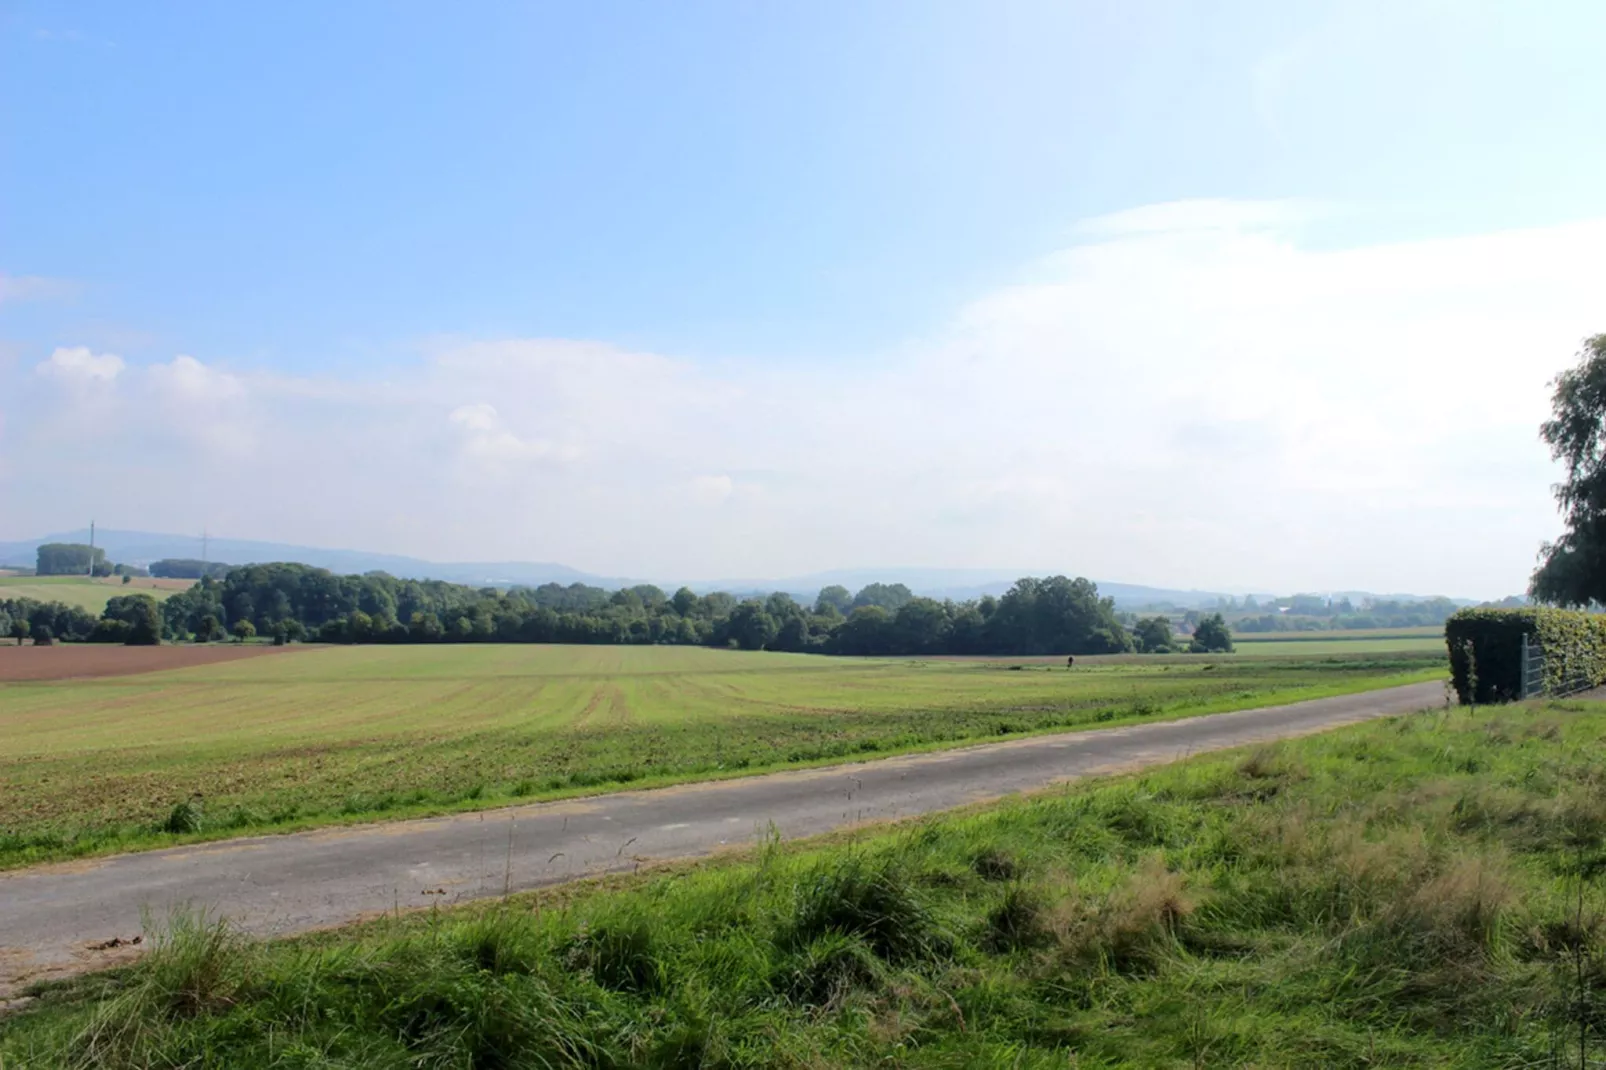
[[291, 602]]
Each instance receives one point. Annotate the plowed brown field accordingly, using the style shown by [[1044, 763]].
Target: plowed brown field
[[80, 661]]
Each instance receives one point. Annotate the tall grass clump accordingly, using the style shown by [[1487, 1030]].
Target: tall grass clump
[[197, 968], [872, 899]]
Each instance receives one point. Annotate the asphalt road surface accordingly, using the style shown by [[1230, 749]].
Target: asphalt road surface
[[58, 919]]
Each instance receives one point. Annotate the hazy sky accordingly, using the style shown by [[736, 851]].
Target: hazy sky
[[1257, 294]]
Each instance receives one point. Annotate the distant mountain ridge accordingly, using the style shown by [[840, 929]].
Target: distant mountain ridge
[[141, 548]]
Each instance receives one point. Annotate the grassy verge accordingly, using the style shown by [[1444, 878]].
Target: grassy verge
[[1422, 892], [61, 807]]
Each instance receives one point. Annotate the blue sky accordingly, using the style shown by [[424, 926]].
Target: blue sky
[[714, 289]]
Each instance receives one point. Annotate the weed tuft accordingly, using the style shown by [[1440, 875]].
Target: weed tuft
[[824, 971], [620, 955], [185, 817], [196, 966], [995, 864], [1018, 922], [872, 900]]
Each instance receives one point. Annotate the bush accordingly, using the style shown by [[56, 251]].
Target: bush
[[1573, 643]]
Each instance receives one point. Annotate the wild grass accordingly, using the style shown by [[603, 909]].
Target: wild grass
[[1422, 892], [353, 734]]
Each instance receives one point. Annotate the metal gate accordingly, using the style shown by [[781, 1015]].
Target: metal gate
[[1533, 669], [1534, 683]]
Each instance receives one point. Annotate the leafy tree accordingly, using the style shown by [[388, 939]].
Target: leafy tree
[[834, 600], [110, 630], [889, 596], [793, 635], [243, 630], [684, 602], [868, 630], [1572, 570], [1153, 635], [43, 635], [19, 629], [1211, 636], [921, 626], [69, 559], [5, 622], [751, 627], [144, 620], [1056, 616], [210, 630]]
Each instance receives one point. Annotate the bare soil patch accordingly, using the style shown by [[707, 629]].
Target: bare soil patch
[[76, 661]]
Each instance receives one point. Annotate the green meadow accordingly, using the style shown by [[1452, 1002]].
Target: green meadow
[[1342, 645], [326, 735], [86, 594], [1418, 892]]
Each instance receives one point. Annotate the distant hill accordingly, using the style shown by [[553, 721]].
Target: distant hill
[[956, 583], [141, 548]]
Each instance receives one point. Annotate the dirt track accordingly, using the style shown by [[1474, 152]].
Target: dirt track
[[77, 661], [62, 918]]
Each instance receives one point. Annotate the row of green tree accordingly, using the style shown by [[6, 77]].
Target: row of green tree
[[79, 559], [291, 602]]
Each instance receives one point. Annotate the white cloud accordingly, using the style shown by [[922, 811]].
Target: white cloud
[[78, 365], [1192, 396], [187, 381], [34, 288], [711, 490], [486, 439]]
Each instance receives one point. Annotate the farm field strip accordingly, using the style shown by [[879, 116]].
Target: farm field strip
[[85, 593], [340, 734], [1334, 645]]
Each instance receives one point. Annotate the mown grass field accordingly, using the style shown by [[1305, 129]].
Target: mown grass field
[[339, 734], [1337, 646], [1422, 892], [1361, 640], [84, 592]]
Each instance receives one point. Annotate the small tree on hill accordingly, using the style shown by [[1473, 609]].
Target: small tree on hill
[[243, 630], [1211, 637]]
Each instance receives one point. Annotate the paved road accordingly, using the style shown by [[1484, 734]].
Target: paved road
[[52, 916]]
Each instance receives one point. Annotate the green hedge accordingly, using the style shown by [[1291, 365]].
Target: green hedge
[[1574, 645]]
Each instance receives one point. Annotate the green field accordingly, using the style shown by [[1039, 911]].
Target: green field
[[332, 734], [1360, 640], [1421, 892], [83, 592]]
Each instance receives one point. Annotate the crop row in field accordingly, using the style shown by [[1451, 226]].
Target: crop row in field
[[1418, 892], [344, 733]]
